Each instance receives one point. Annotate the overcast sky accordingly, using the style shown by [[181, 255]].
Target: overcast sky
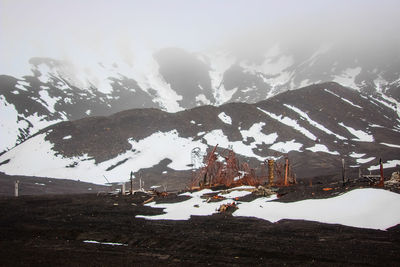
[[119, 28]]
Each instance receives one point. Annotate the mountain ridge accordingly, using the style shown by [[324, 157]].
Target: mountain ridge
[[316, 126]]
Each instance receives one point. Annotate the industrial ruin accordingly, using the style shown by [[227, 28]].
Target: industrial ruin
[[225, 169]]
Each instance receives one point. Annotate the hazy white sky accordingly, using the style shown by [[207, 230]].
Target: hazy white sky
[[120, 28]]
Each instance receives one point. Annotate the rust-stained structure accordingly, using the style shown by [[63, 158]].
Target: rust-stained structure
[[284, 173], [271, 164], [225, 169]]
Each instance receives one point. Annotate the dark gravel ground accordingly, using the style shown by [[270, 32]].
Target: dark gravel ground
[[50, 230], [29, 185]]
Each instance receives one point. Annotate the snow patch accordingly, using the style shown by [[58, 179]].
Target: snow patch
[[356, 155], [202, 100], [388, 105], [314, 123], [21, 85], [195, 206], [104, 243], [362, 161], [347, 77], [390, 145], [394, 102], [291, 123], [235, 194], [344, 99], [360, 208], [361, 135], [322, 148], [388, 164], [255, 131], [225, 118], [49, 101], [219, 63], [217, 137], [286, 147], [375, 126]]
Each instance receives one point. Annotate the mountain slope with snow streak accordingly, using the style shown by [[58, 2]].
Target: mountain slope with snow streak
[[173, 79], [153, 141]]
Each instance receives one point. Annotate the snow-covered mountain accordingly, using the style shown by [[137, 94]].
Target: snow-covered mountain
[[173, 79], [317, 126]]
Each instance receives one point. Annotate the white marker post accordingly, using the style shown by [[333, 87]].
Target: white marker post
[[123, 189], [16, 188]]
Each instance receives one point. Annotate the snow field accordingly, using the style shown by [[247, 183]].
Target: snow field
[[362, 208], [194, 206], [11, 123], [43, 161]]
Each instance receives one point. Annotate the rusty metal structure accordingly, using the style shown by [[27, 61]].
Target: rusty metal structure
[[225, 169], [283, 173]]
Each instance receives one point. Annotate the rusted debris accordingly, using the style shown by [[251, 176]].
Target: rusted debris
[[218, 197], [327, 188], [263, 191], [148, 200], [162, 194], [228, 208], [215, 198], [394, 180]]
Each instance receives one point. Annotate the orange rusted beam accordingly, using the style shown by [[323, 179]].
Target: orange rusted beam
[[286, 171], [271, 171]]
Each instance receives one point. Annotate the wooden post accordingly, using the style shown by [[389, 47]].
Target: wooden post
[[381, 181], [131, 191], [343, 172], [16, 188]]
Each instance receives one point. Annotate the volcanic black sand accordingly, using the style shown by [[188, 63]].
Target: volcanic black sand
[[50, 230]]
